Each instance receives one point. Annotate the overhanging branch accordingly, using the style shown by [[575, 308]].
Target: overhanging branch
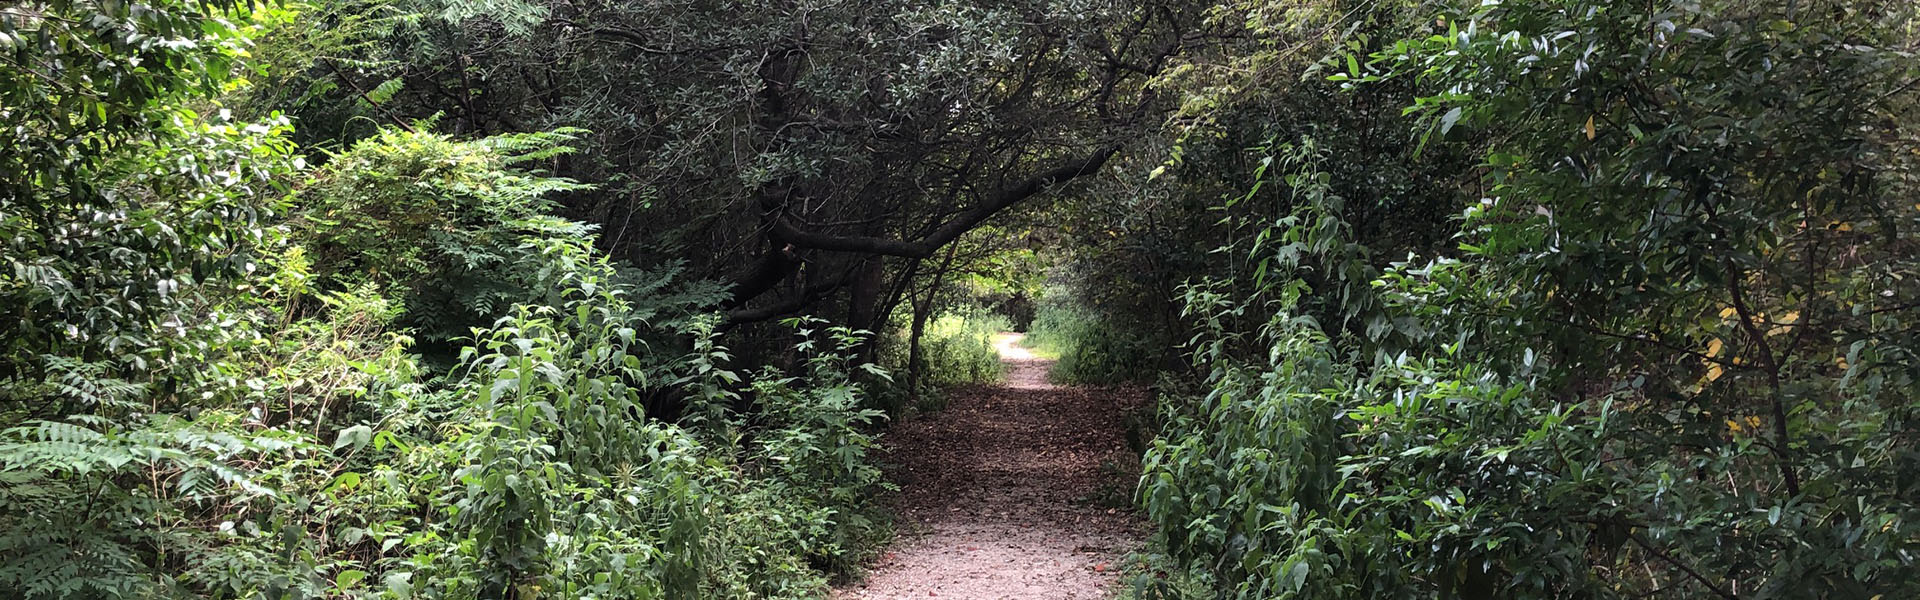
[[801, 301], [785, 231]]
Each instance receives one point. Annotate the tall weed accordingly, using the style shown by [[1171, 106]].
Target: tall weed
[[956, 349], [1091, 349]]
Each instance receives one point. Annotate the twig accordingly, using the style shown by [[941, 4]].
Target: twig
[[1683, 567], [363, 95]]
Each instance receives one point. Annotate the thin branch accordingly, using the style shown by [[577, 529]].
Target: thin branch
[[363, 95], [1717, 590], [806, 298]]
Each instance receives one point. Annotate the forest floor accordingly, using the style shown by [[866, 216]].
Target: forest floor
[[1018, 490]]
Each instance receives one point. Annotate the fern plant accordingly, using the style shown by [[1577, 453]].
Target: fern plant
[[436, 222]]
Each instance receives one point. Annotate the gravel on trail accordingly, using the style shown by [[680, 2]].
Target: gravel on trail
[[997, 492]]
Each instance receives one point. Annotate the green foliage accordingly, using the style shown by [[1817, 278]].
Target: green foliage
[[1667, 349], [959, 348], [1193, 197], [1088, 348], [956, 348], [85, 78], [436, 221], [558, 483], [100, 153], [693, 108], [204, 397], [1673, 357], [123, 216], [104, 546], [815, 448], [534, 471]]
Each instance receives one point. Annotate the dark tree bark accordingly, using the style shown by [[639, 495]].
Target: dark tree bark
[[952, 229], [922, 310]]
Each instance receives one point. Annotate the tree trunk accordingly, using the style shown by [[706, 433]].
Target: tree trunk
[[921, 306], [864, 296], [922, 309]]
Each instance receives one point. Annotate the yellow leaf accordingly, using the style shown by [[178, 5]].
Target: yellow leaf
[[1713, 372], [1841, 361], [1727, 313], [1785, 324], [1589, 127], [1713, 347]]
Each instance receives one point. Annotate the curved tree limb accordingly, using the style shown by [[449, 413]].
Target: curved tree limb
[[784, 230], [813, 293]]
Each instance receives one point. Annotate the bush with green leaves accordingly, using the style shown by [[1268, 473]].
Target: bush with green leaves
[[1088, 348], [955, 349], [1674, 357], [120, 204], [434, 221], [959, 348], [321, 466], [124, 212], [558, 484], [813, 440], [204, 397]]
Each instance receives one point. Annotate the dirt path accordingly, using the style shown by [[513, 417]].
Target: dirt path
[[997, 493]]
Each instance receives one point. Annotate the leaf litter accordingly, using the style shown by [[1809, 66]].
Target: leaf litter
[[998, 492]]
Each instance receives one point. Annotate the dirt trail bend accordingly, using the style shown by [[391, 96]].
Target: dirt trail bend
[[997, 492]]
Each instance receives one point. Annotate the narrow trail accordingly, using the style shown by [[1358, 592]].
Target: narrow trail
[[998, 492]]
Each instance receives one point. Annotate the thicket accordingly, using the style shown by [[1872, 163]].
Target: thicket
[[959, 348], [956, 348], [1670, 356], [1125, 247], [1089, 349], [227, 374], [982, 285]]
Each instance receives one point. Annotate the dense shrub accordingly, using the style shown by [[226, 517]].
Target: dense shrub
[[323, 468], [558, 484], [959, 348], [206, 398], [434, 222], [1671, 359], [1090, 349], [955, 349]]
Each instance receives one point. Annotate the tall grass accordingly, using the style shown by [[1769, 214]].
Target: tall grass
[[956, 349], [1090, 349]]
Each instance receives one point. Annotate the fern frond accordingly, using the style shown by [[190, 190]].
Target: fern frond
[[531, 146], [380, 94]]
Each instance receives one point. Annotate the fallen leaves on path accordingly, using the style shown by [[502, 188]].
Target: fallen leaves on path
[[996, 491]]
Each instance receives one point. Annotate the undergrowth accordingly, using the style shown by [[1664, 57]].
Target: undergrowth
[[313, 454], [1090, 349], [956, 349]]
